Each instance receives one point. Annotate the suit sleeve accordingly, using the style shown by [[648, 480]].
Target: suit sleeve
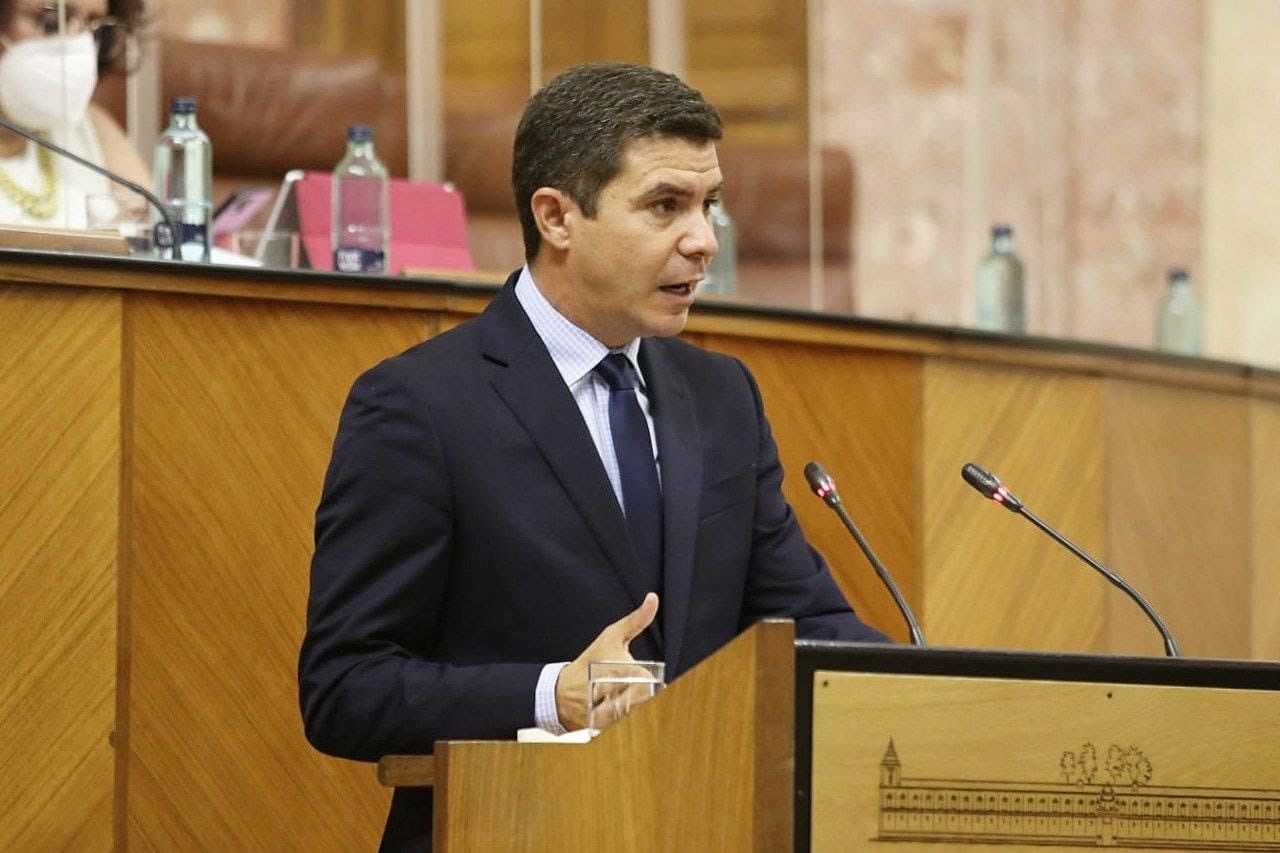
[[368, 685], [787, 577]]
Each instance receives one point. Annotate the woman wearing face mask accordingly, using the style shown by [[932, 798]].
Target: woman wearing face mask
[[46, 81]]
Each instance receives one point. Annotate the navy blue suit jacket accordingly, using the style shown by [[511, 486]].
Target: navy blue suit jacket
[[468, 535]]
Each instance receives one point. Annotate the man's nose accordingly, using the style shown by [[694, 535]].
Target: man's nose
[[700, 239]]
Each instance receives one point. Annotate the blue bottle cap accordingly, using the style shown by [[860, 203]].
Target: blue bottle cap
[[1001, 230], [182, 106], [360, 133], [1178, 274]]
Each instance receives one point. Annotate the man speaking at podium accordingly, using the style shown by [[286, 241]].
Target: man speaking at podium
[[559, 480]]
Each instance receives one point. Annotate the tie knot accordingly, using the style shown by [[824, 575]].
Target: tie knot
[[616, 370]]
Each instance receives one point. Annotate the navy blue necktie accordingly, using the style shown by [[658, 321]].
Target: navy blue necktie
[[641, 495]]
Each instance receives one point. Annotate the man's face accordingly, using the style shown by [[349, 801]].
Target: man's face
[[635, 265]]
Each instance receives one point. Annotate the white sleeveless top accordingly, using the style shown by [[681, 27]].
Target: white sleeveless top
[[75, 182]]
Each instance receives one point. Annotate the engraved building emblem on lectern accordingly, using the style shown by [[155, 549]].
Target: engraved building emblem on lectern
[[1093, 803]]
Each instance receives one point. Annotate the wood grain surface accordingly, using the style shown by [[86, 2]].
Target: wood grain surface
[[858, 413], [164, 437], [706, 318], [728, 720], [1265, 523], [235, 408], [59, 544], [1178, 498], [991, 580], [959, 736]]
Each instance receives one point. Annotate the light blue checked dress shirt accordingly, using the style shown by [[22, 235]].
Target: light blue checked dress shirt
[[575, 354]]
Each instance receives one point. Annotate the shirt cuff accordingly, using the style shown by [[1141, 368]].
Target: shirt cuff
[[544, 699]]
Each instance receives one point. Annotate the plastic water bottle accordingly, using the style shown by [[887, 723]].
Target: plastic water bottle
[[183, 174], [1001, 290], [361, 231], [1179, 323], [722, 272]]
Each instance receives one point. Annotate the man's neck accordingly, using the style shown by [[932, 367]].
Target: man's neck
[[556, 285]]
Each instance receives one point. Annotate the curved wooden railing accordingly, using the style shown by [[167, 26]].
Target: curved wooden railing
[[165, 428]]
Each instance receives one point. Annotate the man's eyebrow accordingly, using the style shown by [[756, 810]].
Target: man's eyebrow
[[666, 188]]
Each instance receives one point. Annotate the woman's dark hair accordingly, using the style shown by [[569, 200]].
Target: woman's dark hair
[[132, 17]]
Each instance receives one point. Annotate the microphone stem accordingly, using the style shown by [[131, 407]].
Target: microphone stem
[[1170, 647], [917, 636], [94, 167]]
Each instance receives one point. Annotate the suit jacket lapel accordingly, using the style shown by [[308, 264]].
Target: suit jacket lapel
[[680, 462], [532, 387]]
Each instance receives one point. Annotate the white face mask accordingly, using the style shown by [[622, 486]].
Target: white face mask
[[31, 82]]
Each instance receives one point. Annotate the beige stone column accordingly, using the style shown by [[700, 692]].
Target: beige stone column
[[1241, 232]]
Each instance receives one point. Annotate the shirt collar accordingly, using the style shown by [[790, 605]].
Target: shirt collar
[[573, 350]]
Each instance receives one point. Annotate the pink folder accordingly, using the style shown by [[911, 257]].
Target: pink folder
[[428, 225]]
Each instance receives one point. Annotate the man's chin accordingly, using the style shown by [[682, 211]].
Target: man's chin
[[667, 326]]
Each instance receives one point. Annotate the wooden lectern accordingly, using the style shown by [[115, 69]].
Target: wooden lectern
[[773, 744]]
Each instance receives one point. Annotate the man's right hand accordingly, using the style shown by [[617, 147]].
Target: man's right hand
[[613, 644]]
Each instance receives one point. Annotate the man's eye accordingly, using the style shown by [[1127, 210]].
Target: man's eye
[[707, 205], [665, 205]]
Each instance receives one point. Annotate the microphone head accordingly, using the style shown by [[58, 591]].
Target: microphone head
[[989, 486], [981, 479], [821, 483]]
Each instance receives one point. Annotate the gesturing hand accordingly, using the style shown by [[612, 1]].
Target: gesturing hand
[[613, 644]]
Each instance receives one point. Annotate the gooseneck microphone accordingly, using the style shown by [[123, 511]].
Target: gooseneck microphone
[[825, 487], [991, 487], [164, 237]]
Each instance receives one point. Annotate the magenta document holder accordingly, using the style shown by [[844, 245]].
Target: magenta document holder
[[428, 225]]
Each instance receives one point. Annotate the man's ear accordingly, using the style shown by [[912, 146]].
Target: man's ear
[[552, 211]]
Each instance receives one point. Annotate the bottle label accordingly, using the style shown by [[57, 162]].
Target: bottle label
[[193, 232], [352, 259], [194, 245]]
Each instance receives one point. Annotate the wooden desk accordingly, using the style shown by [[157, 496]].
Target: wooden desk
[[165, 429], [771, 745]]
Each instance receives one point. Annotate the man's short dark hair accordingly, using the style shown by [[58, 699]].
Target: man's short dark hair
[[574, 130]]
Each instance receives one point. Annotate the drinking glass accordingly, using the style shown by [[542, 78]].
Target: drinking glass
[[272, 248], [615, 687], [126, 213]]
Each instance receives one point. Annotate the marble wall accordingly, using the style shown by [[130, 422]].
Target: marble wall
[[1076, 121], [1242, 180], [1118, 137]]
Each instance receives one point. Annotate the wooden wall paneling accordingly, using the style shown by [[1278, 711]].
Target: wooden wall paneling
[[124, 584], [59, 494], [1177, 504], [857, 412], [990, 579], [576, 31], [444, 321], [368, 28], [1264, 428], [486, 54], [749, 57], [418, 291], [236, 404]]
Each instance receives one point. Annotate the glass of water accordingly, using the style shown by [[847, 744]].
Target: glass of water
[[124, 212], [615, 687]]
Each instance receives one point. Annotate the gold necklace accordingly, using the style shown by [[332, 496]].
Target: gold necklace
[[37, 205]]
